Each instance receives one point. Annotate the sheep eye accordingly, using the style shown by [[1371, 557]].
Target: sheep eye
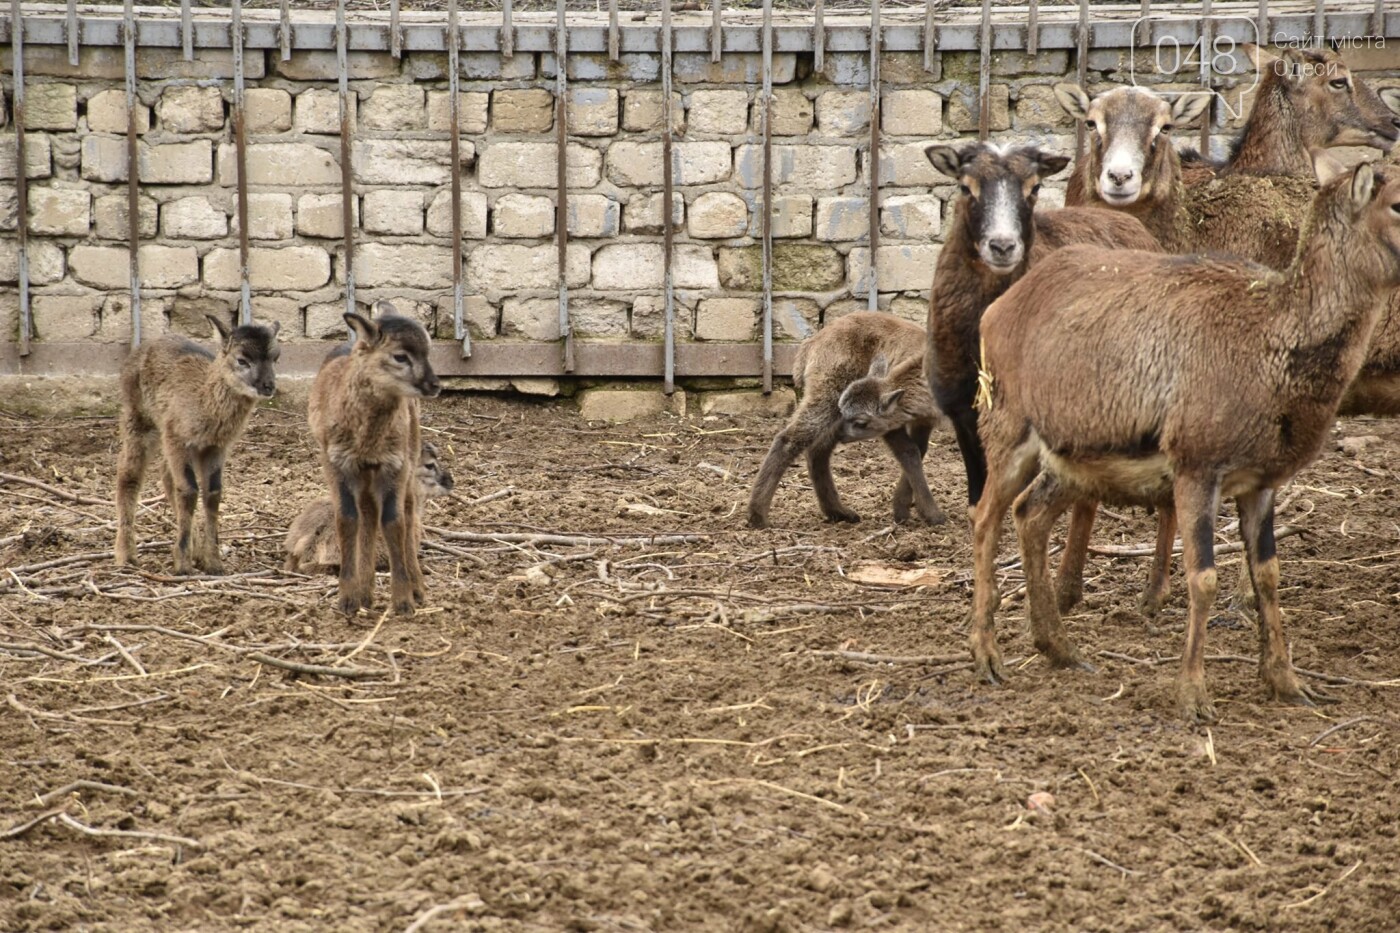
[[1091, 124], [242, 362], [1339, 84], [1036, 189], [1166, 128], [401, 358], [965, 190]]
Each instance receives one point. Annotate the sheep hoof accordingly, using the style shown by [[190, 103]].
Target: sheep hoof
[[989, 669], [757, 519], [934, 516], [1195, 703], [843, 515], [351, 605], [1068, 597], [1150, 603]]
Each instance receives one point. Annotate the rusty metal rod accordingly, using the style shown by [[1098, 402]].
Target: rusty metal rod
[[667, 205], [1262, 27], [133, 171], [873, 300], [186, 30], [1033, 28], [767, 196], [1147, 28], [284, 29], [1081, 38], [1207, 55], [454, 44], [561, 219], [614, 35], [26, 324], [507, 29], [347, 215], [1320, 22], [395, 32], [1377, 20], [930, 37], [240, 150], [819, 37], [71, 31], [984, 74], [717, 30]]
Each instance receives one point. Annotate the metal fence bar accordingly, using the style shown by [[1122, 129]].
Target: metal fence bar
[[1320, 21], [1033, 28], [819, 37], [70, 31], [984, 74], [614, 34], [284, 29], [767, 196], [667, 205], [395, 33], [454, 126], [561, 219], [1378, 19], [717, 31], [186, 30], [873, 299], [507, 29], [133, 170], [1263, 25], [240, 151], [930, 36], [1207, 54], [21, 179], [1081, 39], [347, 216], [1147, 30]]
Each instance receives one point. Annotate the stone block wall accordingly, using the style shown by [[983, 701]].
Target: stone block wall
[[77, 164]]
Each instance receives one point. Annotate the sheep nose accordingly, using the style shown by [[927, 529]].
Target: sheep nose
[[1002, 248], [1121, 178]]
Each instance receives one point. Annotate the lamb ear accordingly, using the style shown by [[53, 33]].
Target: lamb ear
[[1051, 164], [1391, 98], [1291, 66], [1189, 106], [889, 400], [947, 160], [384, 306], [363, 328], [1363, 186], [223, 328], [1260, 56], [276, 329], [1072, 97], [879, 367], [1326, 167]]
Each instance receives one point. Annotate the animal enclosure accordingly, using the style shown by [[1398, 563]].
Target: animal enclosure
[[632, 712]]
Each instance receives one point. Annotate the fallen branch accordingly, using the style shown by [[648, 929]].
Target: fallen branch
[[466, 901], [84, 828], [1346, 725], [19, 829], [322, 670], [567, 540], [67, 789], [1143, 550], [61, 493], [892, 658]]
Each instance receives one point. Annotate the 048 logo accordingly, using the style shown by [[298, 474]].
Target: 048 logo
[[1215, 52]]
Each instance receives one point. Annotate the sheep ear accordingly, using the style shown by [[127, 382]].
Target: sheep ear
[[1051, 164], [889, 400], [1391, 97], [1260, 56], [276, 329], [1326, 167], [1363, 186], [947, 160], [1072, 97], [879, 367], [1189, 106], [223, 328], [383, 306], [363, 328], [1291, 67]]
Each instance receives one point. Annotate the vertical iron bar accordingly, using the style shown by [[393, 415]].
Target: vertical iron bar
[[284, 29], [1207, 54], [21, 180], [614, 36], [1081, 41], [395, 34], [1263, 26], [1033, 28], [347, 216], [133, 170], [667, 202], [1320, 22], [819, 37], [1377, 20], [767, 196], [1147, 29], [186, 30], [72, 31], [561, 218], [930, 36], [507, 29], [717, 32], [984, 74], [454, 44], [240, 151], [873, 302]]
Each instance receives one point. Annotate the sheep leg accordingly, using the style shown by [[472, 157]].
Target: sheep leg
[[1275, 668], [413, 531], [186, 484], [1070, 583], [131, 467], [211, 480], [819, 469], [366, 544], [1197, 503], [903, 492], [347, 527], [799, 434], [1159, 578], [970, 446], [912, 483], [1035, 512], [389, 490]]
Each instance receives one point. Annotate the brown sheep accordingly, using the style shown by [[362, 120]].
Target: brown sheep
[[364, 415], [860, 377], [188, 405], [1116, 377], [312, 544]]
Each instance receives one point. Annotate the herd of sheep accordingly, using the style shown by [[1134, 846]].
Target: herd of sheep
[[1183, 331]]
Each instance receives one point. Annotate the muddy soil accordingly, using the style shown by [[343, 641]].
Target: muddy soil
[[650, 717]]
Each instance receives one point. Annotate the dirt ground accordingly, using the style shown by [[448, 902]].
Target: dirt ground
[[648, 722]]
